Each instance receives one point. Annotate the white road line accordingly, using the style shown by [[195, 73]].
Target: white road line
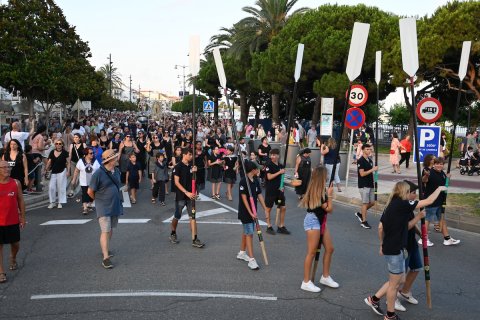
[[133, 220], [58, 222], [222, 222], [126, 200], [199, 214], [194, 294]]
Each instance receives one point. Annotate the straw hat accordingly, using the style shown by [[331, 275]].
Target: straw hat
[[108, 155]]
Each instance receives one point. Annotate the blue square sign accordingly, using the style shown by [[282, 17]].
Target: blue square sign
[[428, 141], [208, 106]]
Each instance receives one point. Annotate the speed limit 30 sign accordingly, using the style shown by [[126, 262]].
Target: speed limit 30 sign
[[429, 110], [358, 95]]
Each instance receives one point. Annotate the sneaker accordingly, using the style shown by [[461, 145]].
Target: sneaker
[[394, 317], [242, 255], [173, 238], [374, 305], [407, 297], [399, 306], [107, 264], [309, 286], [270, 230], [197, 243], [59, 206], [365, 225], [429, 243], [450, 242], [252, 264], [283, 230], [359, 216], [51, 206], [328, 281], [163, 204]]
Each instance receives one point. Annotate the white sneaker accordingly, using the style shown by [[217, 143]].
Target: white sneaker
[[398, 306], [309, 286], [59, 206], [407, 297], [51, 206], [252, 264], [450, 242], [429, 243], [242, 255], [328, 281]]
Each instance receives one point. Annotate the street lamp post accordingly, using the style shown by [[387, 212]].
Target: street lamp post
[[130, 89], [110, 73], [183, 67]]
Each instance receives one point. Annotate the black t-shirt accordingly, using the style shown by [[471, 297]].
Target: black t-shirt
[[58, 163], [273, 185], [265, 150], [243, 214], [395, 225], [365, 164], [435, 180], [184, 174], [319, 211]]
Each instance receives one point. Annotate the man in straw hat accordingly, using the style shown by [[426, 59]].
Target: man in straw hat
[[105, 189]]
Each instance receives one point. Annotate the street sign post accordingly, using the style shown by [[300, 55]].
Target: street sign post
[[355, 118], [429, 110], [208, 106], [358, 95], [428, 141]]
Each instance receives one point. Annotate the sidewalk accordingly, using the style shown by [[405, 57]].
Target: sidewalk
[[386, 180]]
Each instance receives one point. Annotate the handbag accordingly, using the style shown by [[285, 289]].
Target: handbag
[[392, 151]]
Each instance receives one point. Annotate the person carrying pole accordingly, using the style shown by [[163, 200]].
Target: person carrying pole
[[245, 213]]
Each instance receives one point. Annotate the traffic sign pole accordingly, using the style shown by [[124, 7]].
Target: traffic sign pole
[[378, 74]]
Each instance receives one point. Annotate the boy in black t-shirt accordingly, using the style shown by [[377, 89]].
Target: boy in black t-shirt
[[273, 194], [246, 214], [365, 170], [182, 175]]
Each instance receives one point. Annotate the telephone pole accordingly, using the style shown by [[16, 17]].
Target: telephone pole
[[130, 88], [110, 73]]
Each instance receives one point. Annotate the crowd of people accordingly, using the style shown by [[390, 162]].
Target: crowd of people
[[108, 153]]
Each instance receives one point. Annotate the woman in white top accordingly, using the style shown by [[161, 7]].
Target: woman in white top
[[83, 172]]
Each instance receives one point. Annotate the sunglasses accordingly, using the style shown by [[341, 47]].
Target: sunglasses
[[58, 144], [90, 153]]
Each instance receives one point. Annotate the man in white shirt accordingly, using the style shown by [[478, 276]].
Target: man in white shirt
[[239, 125], [17, 134], [312, 137]]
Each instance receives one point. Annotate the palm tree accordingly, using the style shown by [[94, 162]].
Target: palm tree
[[254, 33], [117, 82]]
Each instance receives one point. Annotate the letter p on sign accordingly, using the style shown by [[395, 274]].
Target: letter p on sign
[[425, 136]]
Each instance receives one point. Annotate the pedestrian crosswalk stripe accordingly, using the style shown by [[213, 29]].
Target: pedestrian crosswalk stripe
[[133, 220], [199, 214], [62, 222]]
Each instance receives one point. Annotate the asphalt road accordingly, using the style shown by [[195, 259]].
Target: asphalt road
[[60, 274]]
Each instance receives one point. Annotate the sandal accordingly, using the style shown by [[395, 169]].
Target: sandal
[[134, 201], [3, 277], [436, 227], [13, 265], [85, 211], [153, 200]]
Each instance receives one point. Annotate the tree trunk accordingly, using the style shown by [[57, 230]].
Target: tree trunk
[[276, 108], [316, 111], [410, 110], [31, 103], [215, 108], [257, 116], [243, 108]]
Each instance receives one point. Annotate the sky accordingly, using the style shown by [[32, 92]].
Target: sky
[[147, 38]]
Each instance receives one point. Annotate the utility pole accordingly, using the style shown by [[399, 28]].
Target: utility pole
[[130, 88], [183, 67], [110, 73]]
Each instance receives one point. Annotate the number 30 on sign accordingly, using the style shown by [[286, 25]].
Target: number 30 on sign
[[358, 95]]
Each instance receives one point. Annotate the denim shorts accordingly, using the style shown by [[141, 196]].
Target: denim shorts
[[395, 263], [248, 228], [414, 260], [311, 222], [433, 214]]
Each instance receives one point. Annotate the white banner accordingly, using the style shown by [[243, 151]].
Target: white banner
[[326, 117]]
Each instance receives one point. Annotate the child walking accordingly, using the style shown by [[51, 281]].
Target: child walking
[[160, 178], [246, 215], [133, 177], [230, 171]]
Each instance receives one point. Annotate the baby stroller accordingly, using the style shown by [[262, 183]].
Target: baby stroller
[[469, 166]]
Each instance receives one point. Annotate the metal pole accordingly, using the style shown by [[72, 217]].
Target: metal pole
[[350, 147], [375, 174], [289, 124], [110, 64], [130, 88]]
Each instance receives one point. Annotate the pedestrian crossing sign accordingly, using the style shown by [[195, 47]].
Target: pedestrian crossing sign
[[208, 106]]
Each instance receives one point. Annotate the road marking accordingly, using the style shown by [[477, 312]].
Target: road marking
[[199, 214], [58, 222], [133, 220], [126, 200], [193, 294], [222, 222]]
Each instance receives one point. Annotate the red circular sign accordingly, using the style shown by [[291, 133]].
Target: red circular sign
[[355, 118], [358, 95], [429, 110]]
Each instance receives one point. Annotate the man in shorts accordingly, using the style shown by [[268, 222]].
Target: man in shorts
[[273, 194], [12, 217], [365, 170], [182, 175], [104, 188]]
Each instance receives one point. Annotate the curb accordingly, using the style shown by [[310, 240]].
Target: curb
[[458, 221]]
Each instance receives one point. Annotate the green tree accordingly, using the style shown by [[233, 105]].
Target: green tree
[[106, 71], [42, 56], [185, 105], [399, 115]]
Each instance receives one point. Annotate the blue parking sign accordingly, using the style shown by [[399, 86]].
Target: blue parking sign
[[428, 141], [208, 106]]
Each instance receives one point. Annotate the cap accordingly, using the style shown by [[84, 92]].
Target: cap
[[108, 155], [412, 185]]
